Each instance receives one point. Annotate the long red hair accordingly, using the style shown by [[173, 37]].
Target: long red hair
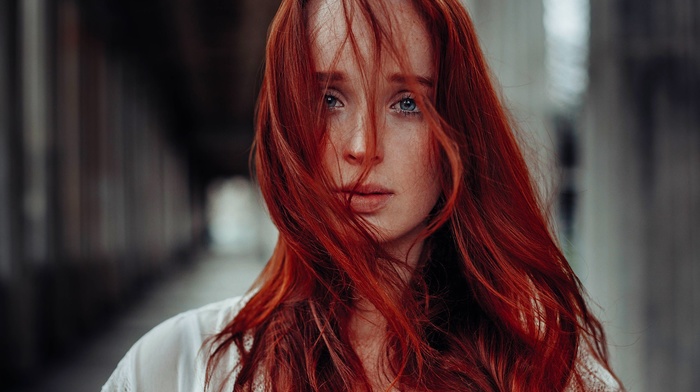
[[492, 305]]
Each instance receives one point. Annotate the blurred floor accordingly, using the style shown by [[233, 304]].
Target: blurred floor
[[215, 275]]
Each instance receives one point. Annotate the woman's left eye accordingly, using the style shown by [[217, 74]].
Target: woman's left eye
[[406, 106], [331, 101]]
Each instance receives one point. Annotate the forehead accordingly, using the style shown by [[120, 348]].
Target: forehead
[[331, 22]]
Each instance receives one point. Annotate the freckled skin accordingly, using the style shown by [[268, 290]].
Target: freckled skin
[[401, 161]]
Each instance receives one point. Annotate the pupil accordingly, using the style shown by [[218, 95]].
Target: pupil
[[408, 104]]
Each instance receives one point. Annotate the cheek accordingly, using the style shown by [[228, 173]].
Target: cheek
[[425, 161], [330, 162], [431, 184], [419, 170], [431, 171]]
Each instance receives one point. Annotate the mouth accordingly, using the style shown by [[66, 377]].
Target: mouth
[[366, 198]]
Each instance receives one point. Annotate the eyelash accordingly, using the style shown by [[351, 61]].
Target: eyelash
[[404, 97]]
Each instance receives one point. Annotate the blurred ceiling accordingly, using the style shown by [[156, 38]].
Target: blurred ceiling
[[206, 58]]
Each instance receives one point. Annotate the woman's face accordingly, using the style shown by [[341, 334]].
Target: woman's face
[[401, 187]]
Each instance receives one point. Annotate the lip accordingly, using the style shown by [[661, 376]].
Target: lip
[[367, 198]]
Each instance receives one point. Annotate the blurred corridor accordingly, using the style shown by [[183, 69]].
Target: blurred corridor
[[125, 128], [211, 276]]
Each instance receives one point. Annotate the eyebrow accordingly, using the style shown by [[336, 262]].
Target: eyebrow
[[405, 79], [328, 77]]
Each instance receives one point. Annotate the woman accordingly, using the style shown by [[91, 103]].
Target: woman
[[413, 254]]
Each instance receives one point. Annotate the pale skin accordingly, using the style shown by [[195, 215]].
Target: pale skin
[[401, 187]]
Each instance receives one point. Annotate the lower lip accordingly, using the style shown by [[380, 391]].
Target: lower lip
[[369, 203]]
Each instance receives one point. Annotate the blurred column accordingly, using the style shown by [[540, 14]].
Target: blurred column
[[68, 123], [112, 191], [640, 217], [6, 57], [24, 179], [35, 120]]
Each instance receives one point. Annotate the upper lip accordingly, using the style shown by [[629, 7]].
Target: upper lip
[[365, 189]]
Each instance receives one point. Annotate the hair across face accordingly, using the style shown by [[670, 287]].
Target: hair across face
[[377, 149]]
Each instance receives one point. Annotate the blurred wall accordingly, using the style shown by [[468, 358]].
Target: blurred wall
[[95, 194], [639, 221]]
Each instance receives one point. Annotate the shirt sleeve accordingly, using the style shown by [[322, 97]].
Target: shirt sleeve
[[120, 380], [170, 357]]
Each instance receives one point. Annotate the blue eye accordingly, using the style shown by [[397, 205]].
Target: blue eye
[[331, 101], [408, 105]]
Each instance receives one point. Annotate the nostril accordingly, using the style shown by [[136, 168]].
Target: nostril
[[355, 156]]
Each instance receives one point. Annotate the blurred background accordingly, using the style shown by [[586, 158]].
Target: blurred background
[[125, 198]]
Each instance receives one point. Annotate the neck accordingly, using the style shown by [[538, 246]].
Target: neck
[[407, 251], [368, 339], [368, 325]]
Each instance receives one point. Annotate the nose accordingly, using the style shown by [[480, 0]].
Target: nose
[[361, 144]]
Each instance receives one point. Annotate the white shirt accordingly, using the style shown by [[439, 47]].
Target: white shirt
[[170, 357]]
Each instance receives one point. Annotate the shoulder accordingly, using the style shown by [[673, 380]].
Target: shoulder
[[169, 357]]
